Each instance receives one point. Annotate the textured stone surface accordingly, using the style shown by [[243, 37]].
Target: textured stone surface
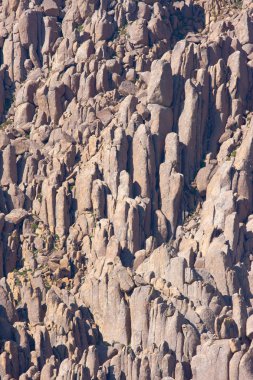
[[126, 202]]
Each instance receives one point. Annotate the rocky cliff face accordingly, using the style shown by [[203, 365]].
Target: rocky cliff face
[[126, 197]]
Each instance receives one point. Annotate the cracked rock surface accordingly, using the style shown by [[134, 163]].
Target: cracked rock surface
[[126, 190]]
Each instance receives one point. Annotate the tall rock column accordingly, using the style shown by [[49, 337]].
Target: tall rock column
[[171, 182], [159, 98]]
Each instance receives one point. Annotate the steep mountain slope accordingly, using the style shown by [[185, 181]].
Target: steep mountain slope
[[126, 189]]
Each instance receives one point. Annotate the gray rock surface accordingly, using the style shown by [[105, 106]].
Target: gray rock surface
[[126, 196]]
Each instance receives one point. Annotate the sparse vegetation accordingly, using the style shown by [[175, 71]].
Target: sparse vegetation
[[129, 258], [34, 227], [121, 32], [79, 28], [46, 283], [238, 4], [35, 252], [20, 273], [39, 197], [232, 155], [5, 124], [17, 281]]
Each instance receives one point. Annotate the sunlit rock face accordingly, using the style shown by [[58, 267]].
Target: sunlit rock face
[[126, 190]]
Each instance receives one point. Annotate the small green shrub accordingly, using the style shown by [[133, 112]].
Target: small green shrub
[[5, 124], [39, 197], [231, 155], [79, 28], [35, 253], [34, 227]]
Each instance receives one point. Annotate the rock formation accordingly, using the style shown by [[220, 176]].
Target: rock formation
[[126, 190]]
